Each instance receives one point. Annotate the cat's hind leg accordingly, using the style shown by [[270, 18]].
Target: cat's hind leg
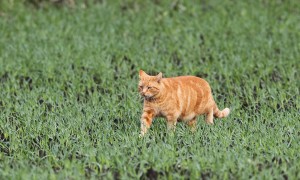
[[210, 116]]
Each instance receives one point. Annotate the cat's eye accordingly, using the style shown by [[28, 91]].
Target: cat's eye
[[149, 87], [141, 87]]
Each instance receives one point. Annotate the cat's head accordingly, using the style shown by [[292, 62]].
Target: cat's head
[[149, 86]]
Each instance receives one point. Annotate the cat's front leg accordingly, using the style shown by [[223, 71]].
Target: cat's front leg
[[171, 122], [193, 123], [146, 121]]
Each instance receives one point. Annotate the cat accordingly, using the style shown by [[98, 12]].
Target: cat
[[180, 98]]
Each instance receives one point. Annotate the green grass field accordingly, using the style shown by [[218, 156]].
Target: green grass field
[[70, 109]]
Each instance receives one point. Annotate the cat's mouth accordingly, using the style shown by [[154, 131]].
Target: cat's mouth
[[148, 98]]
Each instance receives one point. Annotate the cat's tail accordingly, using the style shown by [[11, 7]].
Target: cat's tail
[[220, 114]]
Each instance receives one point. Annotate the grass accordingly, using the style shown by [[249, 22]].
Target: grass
[[69, 106]]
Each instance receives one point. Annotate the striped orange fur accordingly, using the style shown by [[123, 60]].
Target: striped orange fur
[[180, 98]]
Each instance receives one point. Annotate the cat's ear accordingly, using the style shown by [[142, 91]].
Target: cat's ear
[[159, 77], [142, 73]]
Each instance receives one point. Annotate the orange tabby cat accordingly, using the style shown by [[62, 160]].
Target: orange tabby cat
[[180, 98]]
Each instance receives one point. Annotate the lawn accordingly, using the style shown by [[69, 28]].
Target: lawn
[[70, 109]]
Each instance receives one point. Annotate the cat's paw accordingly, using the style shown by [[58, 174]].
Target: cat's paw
[[142, 134]]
